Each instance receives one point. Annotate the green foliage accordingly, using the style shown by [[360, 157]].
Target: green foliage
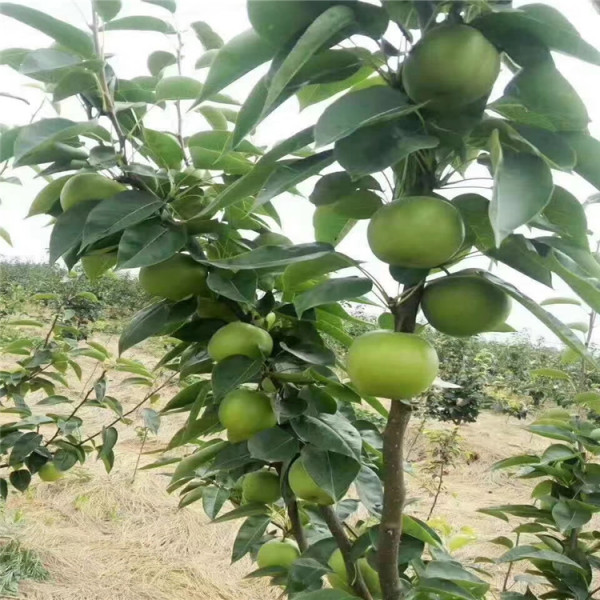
[[18, 564], [562, 542]]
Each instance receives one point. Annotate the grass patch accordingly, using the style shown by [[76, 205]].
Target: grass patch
[[16, 564]]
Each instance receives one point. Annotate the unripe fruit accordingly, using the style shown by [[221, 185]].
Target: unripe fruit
[[240, 338], [262, 487], [595, 434], [277, 553], [464, 305], [244, 413], [272, 238], [450, 67], [391, 365], [49, 472], [96, 264], [88, 186], [305, 487], [48, 196], [174, 278], [369, 574], [417, 232]]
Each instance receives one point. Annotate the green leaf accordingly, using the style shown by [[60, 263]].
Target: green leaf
[[558, 328], [247, 510], [232, 162], [149, 243], [24, 446], [590, 399], [190, 497], [565, 215], [41, 134], [207, 36], [420, 530], [160, 318], [76, 81], [232, 372], [547, 144], [214, 117], [189, 464], [249, 535], [312, 94], [522, 188], [331, 471], [570, 514], [213, 500], [533, 553], [160, 59], [586, 288], [68, 229], [41, 64], [564, 109], [107, 9], [151, 420], [333, 290], [65, 34], [5, 236], [550, 373], [515, 461], [370, 490], [443, 588], [115, 214], [178, 87], [587, 150], [331, 433], [169, 5], [273, 445], [360, 109], [139, 23], [319, 32], [287, 175], [163, 148], [446, 570], [331, 227], [374, 148], [20, 479], [237, 57], [540, 21], [315, 354], [268, 257], [239, 287], [297, 274]]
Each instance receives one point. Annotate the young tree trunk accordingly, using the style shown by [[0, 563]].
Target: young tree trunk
[[394, 495]]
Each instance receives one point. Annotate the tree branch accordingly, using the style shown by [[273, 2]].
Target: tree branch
[[136, 407], [394, 495], [337, 531], [297, 529]]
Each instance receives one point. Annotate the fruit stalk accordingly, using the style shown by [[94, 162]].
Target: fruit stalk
[[337, 531], [394, 495]]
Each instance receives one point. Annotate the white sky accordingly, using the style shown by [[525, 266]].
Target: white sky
[[228, 17]]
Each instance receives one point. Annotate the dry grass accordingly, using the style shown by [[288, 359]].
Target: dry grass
[[102, 537]]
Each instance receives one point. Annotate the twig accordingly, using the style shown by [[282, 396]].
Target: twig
[[108, 105], [178, 103], [137, 462], [337, 531], [510, 566], [74, 411], [136, 407], [437, 491]]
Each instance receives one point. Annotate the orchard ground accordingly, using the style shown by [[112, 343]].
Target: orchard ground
[[102, 537]]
